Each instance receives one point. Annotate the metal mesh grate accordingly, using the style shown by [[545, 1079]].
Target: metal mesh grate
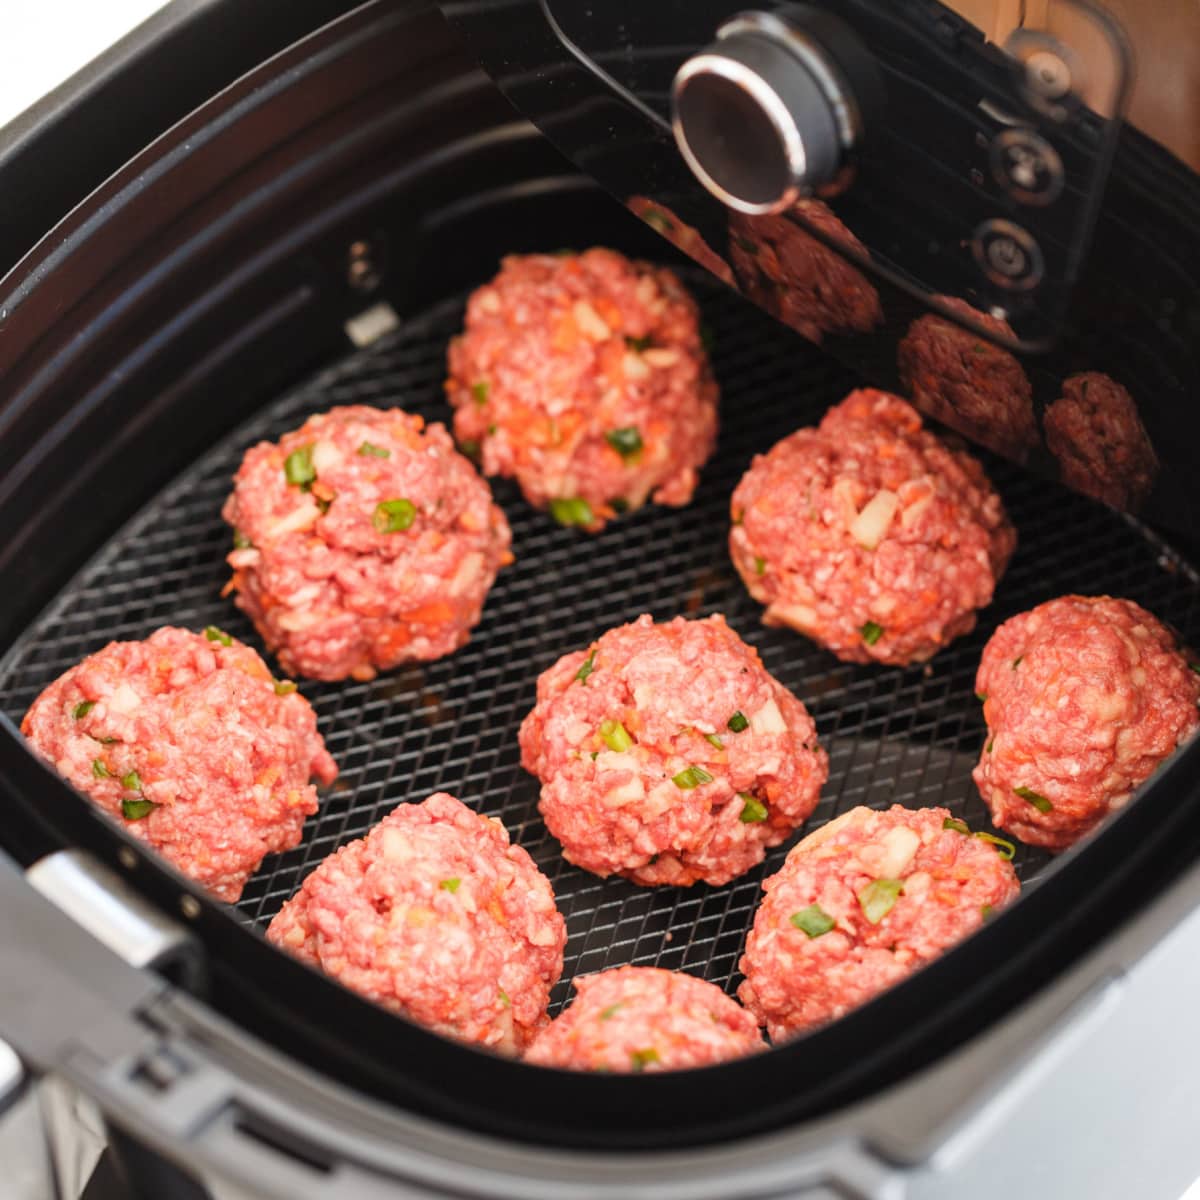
[[894, 736]]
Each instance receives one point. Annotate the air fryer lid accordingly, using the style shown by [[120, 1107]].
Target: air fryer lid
[[968, 186], [419, 156]]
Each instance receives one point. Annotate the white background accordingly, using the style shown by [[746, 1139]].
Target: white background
[[42, 42]]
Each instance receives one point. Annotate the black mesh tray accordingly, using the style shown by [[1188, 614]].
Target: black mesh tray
[[906, 736]]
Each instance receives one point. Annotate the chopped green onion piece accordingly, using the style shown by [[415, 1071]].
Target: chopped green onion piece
[[738, 722], [616, 736], [760, 565], [691, 777], [955, 824], [813, 920], [753, 810], [83, 708], [1017, 661], [641, 1059], [626, 442], [611, 1011], [746, 244], [480, 392], [656, 220], [284, 687], [370, 450], [1035, 798], [241, 541], [131, 781], [99, 769], [639, 344], [714, 741], [394, 516], [571, 512], [986, 912], [217, 635], [878, 897], [1004, 848], [298, 467], [450, 885], [470, 448], [106, 741], [595, 755], [135, 810], [871, 633], [981, 697], [988, 748], [1195, 667], [588, 666], [504, 998]]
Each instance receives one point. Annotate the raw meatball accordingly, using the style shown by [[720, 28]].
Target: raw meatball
[[1094, 431], [684, 237], [667, 754], [970, 384], [362, 540], [862, 903], [1083, 696], [583, 377], [435, 915], [645, 1019], [187, 741], [797, 278], [868, 534]]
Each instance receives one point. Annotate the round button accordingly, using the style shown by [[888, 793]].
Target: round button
[[1008, 255], [1027, 166]]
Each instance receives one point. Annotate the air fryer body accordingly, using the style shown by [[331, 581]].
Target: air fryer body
[[216, 252]]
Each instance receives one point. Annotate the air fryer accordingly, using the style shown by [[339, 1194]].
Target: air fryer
[[288, 216]]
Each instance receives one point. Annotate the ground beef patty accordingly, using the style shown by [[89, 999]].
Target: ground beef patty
[[862, 903], [1094, 431], [797, 278], [645, 1019], [684, 237], [667, 754], [1083, 697], [967, 382], [362, 540], [583, 377], [187, 740], [435, 915], [868, 534]]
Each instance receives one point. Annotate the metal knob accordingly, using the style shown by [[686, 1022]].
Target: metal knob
[[766, 113]]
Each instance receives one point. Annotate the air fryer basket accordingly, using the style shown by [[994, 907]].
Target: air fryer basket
[[907, 736], [167, 323]]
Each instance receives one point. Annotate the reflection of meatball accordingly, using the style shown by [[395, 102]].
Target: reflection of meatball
[[667, 754], [1094, 431], [662, 220], [645, 1019], [583, 377], [1083, 698], [362, 540], [190, 742], [435, 915], [798, 279], [967, 382], [862, 903], [868, 534]]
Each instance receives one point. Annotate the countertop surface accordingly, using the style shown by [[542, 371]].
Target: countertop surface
[[47, 41]]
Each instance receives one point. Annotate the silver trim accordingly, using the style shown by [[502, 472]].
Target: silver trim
[[846, 113], [112, 912], [768, 100]]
